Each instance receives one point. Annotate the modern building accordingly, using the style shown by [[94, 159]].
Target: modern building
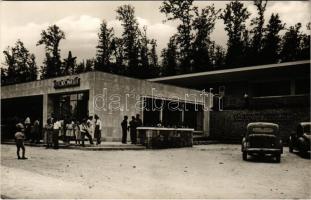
[[278, 93], [107, 95]]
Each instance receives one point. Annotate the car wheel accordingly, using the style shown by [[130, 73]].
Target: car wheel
[[244, 155], [290, 145], [291, 150], [278, 158]]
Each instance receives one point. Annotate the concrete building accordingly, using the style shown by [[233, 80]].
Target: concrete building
[[107, 95], [277, 93]]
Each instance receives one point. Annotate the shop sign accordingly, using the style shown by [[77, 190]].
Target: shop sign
[[69, 82]]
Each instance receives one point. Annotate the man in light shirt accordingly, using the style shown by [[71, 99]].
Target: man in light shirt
[[56, 129]]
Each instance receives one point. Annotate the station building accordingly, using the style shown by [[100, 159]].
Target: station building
[[278, 93], [109, 96]]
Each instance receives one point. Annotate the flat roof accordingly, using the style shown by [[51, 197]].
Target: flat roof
[[287, 69]]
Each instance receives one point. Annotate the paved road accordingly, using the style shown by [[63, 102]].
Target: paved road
[[209, 171]]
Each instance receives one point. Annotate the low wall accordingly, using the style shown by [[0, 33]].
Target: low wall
[[231, 124]]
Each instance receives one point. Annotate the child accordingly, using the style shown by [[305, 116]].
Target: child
[[19, 140]]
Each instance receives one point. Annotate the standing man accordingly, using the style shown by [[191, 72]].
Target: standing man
[[56, 129], [139, 123], [19, 140], [28, 129], [98, 128], [124, 129], [133, 130]]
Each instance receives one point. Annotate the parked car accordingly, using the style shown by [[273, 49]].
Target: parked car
[[300, 141], [262, 138]]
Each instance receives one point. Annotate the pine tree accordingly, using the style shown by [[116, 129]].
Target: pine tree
[[272, 40], [203, 24], [234, 16], [51, 39], [291, 43], [181, 10], [130, 40], [169, 58], [256, 45], [21, 64], [104, 48], [69, 64]]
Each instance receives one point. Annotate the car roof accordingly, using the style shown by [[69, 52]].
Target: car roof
[[262, 124], [305, 123]]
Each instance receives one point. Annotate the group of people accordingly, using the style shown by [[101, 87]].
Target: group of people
[[32, 130], [72, 129], [131, 126], [69, 129]]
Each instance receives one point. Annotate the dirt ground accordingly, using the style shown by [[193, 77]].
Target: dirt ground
[[206, 171]]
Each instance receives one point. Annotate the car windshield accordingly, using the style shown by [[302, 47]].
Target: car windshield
[[263, 130], [306, 129]]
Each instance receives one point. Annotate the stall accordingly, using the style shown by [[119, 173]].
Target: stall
[[159, 137]]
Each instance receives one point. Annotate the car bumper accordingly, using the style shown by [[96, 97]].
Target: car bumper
[[264, 150]]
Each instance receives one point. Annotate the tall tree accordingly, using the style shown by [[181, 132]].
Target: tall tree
[[255, 51], [21, 65], [234, 16], [305, 44], [69, 64], [153, 53], [104, 48], [169, 58], [291, 43], [272, 39], [51, 39], [203, 24], [181, 10], [126, 14], [144, 59]]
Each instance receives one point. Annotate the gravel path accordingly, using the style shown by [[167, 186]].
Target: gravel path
[[209, 171]]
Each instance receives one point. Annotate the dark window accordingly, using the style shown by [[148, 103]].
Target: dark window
[[276, 88], [302, 86]]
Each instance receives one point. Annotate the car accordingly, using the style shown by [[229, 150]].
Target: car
[[300, 141], [262, 138]]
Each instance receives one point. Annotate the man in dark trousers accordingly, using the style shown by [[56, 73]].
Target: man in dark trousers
[[124, 129], [133, 130], [139, 123]]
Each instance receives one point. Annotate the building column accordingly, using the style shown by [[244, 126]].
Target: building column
[[292, 87], [45, 109]]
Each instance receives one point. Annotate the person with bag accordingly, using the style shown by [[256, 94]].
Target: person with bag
[[85, 132]]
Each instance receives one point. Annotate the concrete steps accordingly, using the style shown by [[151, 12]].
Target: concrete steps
[[102, 147]]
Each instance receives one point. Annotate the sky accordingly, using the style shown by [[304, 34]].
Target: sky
[[80, 20]]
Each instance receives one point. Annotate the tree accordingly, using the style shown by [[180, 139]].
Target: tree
[[291, 43], [144, 59], [271, 40], [181, 10], [21, 65], [203, 24], [126, 14], [305, 45], [153, 53], [218, 57], [234, 16], [51, 39], [255, 50], [69, 65], [169, 58], [104, 48]]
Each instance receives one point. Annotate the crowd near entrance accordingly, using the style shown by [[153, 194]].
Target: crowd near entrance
[[16, 110]]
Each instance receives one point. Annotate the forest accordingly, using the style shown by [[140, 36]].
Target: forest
[[190, 50]]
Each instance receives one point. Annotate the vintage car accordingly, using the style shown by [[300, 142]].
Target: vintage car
[[262, 138], [300, 141]]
